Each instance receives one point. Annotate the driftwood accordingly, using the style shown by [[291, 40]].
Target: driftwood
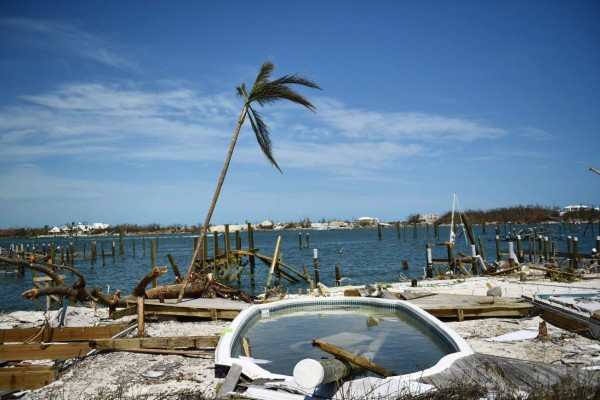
[[208, 288], [140, 288], [201, 285], [192, 290]]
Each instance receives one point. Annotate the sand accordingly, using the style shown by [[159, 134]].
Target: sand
[[127, 374]]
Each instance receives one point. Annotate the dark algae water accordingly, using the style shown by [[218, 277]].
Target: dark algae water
[[358, 252]]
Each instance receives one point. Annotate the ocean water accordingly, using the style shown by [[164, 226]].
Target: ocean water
[[358, 252]]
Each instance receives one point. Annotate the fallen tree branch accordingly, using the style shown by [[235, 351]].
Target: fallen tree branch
[[140, 289]]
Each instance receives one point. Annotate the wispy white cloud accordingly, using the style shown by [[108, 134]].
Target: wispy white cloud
[[66, 38], [535, 134], [403, 125], [116, 120], [131, 123]]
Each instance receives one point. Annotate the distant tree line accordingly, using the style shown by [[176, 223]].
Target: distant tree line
[[519, 214]]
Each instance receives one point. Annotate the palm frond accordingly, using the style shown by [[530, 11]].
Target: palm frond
[[263, 75], [241, 91], [295, 80], [262, 135], [271, 93]]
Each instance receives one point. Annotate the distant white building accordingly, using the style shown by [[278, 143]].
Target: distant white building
[[98, 226], [266, 225], [575, 208], [429, 218], [367, 221]]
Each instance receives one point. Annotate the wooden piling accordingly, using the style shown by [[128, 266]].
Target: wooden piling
[[174, 265], [251, 258], [429, 258], [338, 276], [121, 245], [519, 249], [378, 231], [575, 253], [204, 255], [133, 245], [405, 264], [450, 252], [94, 253], [103, 255], [414, 230], [227, 245], [481, 248], [299, 240], [153, 260], [474, 259], [316, 265], [273, 263], [397, 230], [113, 250], [498, 252], [216, 267], [140, 317]]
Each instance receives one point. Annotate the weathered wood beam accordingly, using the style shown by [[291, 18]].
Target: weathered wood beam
[[188, 353], [155, 343], [123, 312], [353, 358], [26, 378], [38, 351], [70, 334], [177, 310]]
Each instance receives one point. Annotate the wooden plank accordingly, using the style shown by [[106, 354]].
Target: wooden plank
[[38, 351], [231, 381], [156, 343], [447, 306], [181, 310], [410, 295], [26, 378], [190, 353], [352, 358], [68, 334], [124, 312]]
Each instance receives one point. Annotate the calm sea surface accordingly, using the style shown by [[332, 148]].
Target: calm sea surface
[[362, 257]]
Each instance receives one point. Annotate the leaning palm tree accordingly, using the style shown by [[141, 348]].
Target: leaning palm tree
[[263, 92]]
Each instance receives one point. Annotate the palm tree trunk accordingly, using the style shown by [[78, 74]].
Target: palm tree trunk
[[241, 120]]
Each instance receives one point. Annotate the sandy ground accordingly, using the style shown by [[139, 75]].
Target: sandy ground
[[128, 375]]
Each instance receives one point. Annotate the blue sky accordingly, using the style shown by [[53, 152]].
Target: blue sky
[[122, 112]]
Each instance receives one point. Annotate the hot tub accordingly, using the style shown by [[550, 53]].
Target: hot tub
[[400, 335]]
